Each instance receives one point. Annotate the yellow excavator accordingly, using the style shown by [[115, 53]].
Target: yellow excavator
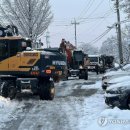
[[22, 67]]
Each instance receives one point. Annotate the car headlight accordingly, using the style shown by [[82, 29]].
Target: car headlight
[[80, 67]]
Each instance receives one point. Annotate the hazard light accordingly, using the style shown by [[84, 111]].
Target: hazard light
[[48, 71]]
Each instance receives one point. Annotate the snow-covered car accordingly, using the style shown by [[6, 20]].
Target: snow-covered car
[[115, 79], [111, 75], [118, 95], [126, 67]]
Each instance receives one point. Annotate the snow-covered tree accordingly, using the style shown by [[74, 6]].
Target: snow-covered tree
[[32, 17], [126, 7], [88, 49], [110, 46]]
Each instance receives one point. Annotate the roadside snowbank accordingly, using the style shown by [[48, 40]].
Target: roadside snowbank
[[92, 86], [112, 119], [7, 108]]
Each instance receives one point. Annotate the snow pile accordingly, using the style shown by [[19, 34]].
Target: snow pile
[[7, 108], [97, 85], [112, 119], [116, 65], [122, 86], [111, 73], [93, 106], [127, 67], [119, 79]]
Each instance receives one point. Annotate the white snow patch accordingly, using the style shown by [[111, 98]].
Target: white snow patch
[[7, 108], [92, 86], [94, 105], [119, 72], [113, 119], [122, 85], [116, 65], [126, 67], [120, 79]]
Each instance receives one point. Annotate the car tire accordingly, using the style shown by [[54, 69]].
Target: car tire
[[46, 90], [128, 102]]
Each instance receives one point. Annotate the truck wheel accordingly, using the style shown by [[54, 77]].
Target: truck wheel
[[4, 89], [12, 90], [46, 90], [80, 77], [86, 75], [8, 89], [51, 90], [128, 102]]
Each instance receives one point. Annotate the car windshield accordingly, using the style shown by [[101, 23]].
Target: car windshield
[[93, 59]]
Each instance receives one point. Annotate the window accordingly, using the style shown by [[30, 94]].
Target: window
[[78, 56], [93, 59], [3, 49], [14, 47]]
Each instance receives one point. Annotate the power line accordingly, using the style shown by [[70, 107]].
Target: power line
[[106, 32], [100, 22], [101, 17], [85, 10], [100, 37], [96, 8]]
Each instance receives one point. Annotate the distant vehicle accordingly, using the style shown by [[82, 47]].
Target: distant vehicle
[[76, 60], [78, 67], [107, 62], [94, 63], [100, 63], [118, 95]]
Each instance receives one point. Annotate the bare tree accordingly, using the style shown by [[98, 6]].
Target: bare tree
[[126, 7], [32, 17], [110, 47], [89, 49]]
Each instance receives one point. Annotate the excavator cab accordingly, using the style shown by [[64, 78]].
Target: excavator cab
[[10, 47], [11, 43]]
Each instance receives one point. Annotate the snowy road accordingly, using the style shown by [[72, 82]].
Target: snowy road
[[76, 104]]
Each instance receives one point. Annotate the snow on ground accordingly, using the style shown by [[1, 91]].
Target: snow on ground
[[93, 86], [7, 108], [70, 113], [65, 112], [127, 67], [93, 106], [112, 119], [116, 65]]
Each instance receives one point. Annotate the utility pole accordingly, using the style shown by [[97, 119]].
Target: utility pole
[[119, 37], [47, 39], [75, 27]]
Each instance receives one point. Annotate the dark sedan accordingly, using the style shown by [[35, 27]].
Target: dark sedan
[[118, 95]]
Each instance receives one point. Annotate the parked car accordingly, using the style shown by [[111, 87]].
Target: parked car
[[118, 95], [111, 75], [115, 79]]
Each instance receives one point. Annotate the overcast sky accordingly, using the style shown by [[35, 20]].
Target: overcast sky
[[93, 15]]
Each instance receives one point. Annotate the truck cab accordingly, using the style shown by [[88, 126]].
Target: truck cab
[[94, 60]]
